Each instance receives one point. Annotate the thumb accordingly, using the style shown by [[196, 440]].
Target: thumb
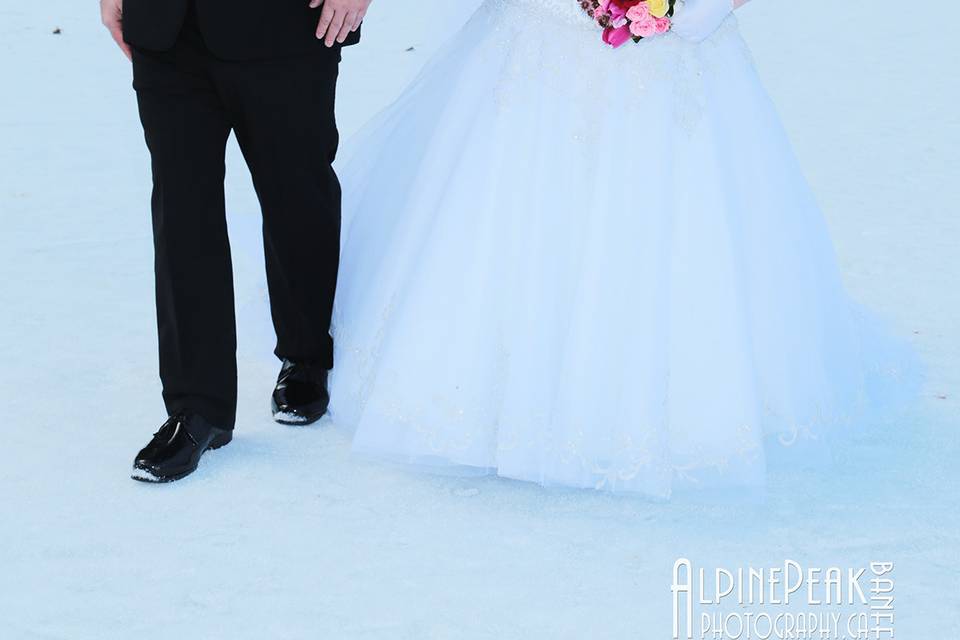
[[117, 33]]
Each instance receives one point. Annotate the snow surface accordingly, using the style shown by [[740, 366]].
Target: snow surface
[[284, 534]]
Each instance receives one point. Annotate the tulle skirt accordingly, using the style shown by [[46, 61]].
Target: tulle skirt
[[592, 268]]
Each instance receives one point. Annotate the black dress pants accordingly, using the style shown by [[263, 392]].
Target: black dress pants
[[282, 113]]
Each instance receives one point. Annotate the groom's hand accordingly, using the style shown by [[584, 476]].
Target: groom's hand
[[111, 12], [337, 19]]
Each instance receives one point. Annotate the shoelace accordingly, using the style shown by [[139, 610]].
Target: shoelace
[[176, 423]]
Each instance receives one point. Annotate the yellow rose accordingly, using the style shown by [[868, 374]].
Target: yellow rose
[[658, 8]]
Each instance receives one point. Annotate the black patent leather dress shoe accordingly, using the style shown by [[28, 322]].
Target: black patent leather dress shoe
[[176, 449], [301, 396]]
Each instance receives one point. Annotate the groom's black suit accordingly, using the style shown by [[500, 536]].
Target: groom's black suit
[[232, 29], [203, 69]]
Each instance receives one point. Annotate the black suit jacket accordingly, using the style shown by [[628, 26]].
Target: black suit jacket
[[232, 29]]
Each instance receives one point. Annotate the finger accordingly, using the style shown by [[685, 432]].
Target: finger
[[315, 3], [346, 28], [326, 16], [357, 20], [335, 25], [117, 34]]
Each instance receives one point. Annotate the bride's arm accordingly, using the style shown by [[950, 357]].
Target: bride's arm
[[697, 19]]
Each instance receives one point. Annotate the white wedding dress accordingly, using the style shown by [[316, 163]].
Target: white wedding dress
[[590, 267]]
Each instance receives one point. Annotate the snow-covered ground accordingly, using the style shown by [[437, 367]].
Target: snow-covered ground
[[284, 534]]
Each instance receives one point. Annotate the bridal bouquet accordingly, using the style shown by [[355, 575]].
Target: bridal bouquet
[[635, 20]]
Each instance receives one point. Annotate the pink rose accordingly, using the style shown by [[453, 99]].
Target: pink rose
[[644, 28], [638, 13], [616, 36], [663, 25]]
